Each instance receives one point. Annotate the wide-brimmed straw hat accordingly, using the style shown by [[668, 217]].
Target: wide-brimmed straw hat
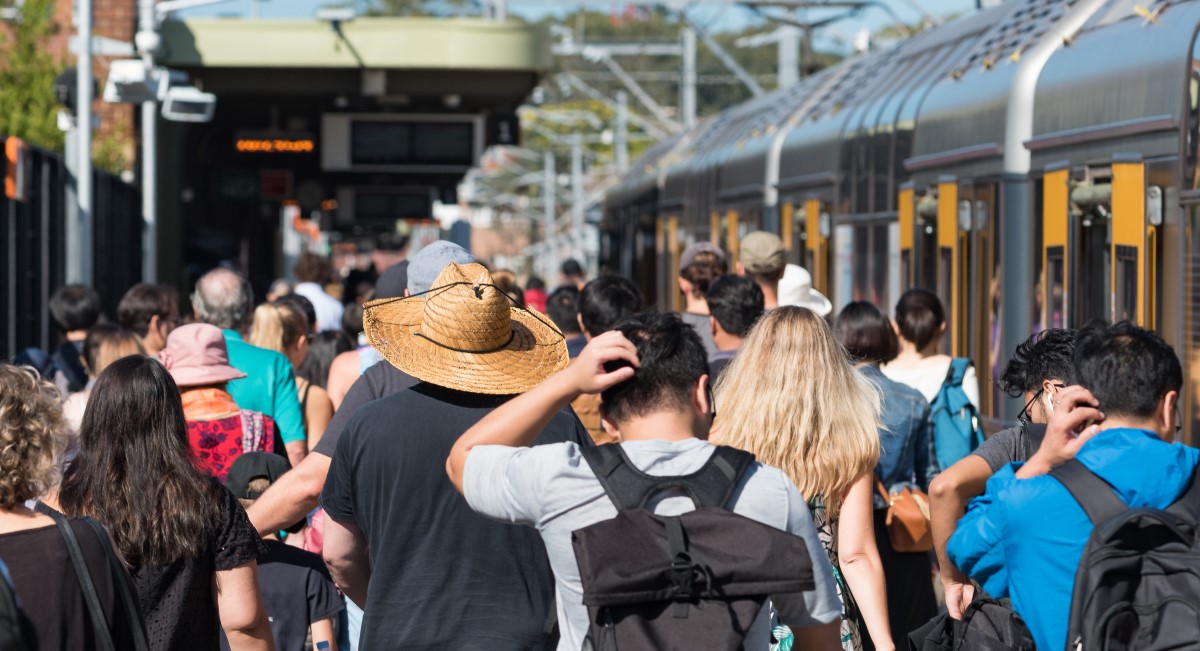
[[465, 334]]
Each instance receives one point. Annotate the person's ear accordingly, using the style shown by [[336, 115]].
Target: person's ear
[[942, 329], [582, 328], [895, 328], [196, 313], [407, 293], [712, 325], [155, 326], [1167, 414], [702, 396], [684, 285], [608, 426], [741, 271]]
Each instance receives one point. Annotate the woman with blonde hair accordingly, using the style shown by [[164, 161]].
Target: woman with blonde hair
[[282, 327], [792, 398]]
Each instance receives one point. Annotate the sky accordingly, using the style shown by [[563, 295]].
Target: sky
[[720, 16]]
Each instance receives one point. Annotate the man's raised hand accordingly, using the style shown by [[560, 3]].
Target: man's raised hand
[[588, 374]]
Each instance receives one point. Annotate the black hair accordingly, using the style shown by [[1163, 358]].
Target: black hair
[[919, 315], [322, 348], [571, 267], [313, 268], [135, 472], [672, 360], [736, 302], [75, 307], [535, 282], [1128, 369], [301, 305], [606, 300], [352, 320], [143, 302], [562, 306], [1044, 356], [391, 242], [866, 334]]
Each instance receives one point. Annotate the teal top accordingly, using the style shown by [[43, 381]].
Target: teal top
[[269, 386]]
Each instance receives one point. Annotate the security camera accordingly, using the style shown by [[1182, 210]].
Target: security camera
[[188, 104], [130, 82], [168, 79]]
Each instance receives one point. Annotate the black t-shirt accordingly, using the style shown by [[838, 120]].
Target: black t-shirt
[[442, 576], [45, 582], [297, 591], [177, 601], [382, 379]]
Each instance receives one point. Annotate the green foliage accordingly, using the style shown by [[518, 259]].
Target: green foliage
[[27, 72]]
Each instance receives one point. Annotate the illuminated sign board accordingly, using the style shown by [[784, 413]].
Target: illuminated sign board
[[247, 142]]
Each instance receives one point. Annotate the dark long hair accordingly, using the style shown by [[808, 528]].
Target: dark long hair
[[322, 348], [135, 472]]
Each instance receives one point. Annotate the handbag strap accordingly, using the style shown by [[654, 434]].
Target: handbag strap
[[124, 588], [103, 636]]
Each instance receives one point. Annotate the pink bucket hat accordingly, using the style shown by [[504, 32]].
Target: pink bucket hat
[[196, 355]]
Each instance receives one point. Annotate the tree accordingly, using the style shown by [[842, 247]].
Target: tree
[[28, 109]]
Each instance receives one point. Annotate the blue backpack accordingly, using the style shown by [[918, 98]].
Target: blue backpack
[[956, 430]]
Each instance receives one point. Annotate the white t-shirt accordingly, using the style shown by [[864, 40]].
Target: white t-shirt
[[928, 379], [552, 488]]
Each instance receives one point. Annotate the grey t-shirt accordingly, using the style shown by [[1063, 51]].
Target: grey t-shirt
[[701, 325], [1009, 445], [552, 488]]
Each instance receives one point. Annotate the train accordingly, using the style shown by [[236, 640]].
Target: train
[[1034, 164]]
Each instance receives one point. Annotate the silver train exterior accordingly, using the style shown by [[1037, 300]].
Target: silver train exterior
[[1035, 164]]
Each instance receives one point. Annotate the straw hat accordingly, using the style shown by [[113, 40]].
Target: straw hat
[[464, 334]]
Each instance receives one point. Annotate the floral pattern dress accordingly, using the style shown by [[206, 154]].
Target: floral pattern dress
[[219, 432], [851, 628]]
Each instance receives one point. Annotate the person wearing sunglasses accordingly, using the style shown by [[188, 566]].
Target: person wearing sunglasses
[[1040, 368]]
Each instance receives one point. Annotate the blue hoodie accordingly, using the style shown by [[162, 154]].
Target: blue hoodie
[[1023, 537]]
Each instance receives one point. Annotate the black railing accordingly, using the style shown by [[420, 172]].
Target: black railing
[[33, 248]]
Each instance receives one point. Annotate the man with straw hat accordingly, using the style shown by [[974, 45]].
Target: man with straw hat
[[438, 574]]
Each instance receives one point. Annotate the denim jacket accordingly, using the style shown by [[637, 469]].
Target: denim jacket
[[904, 437]]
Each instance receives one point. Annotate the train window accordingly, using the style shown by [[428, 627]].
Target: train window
[[880, 269], [1056, 303], [894, 267], [1125, 291]]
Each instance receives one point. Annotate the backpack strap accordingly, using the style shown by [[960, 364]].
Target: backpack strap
[[1188, 504], [957, 371], [125, 590], [1094, 495], [95, 610], [629, 488]]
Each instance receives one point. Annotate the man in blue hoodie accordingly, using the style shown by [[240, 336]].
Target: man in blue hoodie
[[1024, 536]]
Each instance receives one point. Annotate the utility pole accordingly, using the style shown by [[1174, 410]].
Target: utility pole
[[621, 138], [577, 198], [147, 40], [81, 270], [549, 187], [687, 90]]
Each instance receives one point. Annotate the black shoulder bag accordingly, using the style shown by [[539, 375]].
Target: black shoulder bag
[[120, 578]]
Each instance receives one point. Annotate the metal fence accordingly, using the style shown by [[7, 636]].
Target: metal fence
[[33, 248]]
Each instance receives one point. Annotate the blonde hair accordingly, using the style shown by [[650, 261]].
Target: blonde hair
[[791, 397], [106, 344], [31, 427], [277, 326]]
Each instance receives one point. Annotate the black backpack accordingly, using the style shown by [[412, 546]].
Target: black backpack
[[986, 625], [16, 631], [1138, 583], [693, 581]]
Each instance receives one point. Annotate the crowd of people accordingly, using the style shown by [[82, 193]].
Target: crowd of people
[[454, 459]]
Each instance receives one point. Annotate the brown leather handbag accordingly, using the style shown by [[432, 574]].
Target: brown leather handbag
[[908, 525]]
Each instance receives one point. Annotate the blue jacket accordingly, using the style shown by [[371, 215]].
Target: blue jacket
[[905, 432], [269, 386], [1023, 537]]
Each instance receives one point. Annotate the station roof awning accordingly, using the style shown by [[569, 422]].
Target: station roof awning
[[365, 42]]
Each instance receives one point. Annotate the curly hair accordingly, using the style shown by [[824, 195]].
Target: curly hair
[[31, 425], [1044, 356]]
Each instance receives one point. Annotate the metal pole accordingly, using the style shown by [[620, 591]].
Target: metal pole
[[621, 140], [577, 200], [71, 200], [147, 23], [788, 72], [687, 99], [549, 187], [83, 91]]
